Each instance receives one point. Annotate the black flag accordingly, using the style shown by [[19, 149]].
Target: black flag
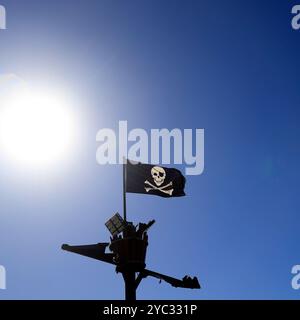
[[154, 180]]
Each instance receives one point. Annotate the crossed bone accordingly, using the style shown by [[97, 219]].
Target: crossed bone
[[161, 189]]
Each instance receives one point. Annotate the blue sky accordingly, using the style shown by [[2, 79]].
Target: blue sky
[[230, 67]]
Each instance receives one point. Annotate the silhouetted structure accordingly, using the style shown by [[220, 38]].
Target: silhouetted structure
[[128, 254]]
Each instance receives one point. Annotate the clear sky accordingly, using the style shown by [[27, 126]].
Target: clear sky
[[230, 67]]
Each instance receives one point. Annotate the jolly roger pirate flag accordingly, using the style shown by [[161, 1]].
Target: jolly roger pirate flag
[[154, 180]]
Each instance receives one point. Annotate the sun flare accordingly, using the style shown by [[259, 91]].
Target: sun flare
[[36, 127]]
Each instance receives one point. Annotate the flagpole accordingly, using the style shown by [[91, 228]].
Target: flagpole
[[124, 190]]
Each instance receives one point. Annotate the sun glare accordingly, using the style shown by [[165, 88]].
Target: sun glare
[[36, 127]]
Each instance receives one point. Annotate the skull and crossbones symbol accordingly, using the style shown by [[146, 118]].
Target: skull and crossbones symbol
[[159, 175]]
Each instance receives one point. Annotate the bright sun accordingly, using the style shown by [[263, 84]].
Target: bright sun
[[36, 127]]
